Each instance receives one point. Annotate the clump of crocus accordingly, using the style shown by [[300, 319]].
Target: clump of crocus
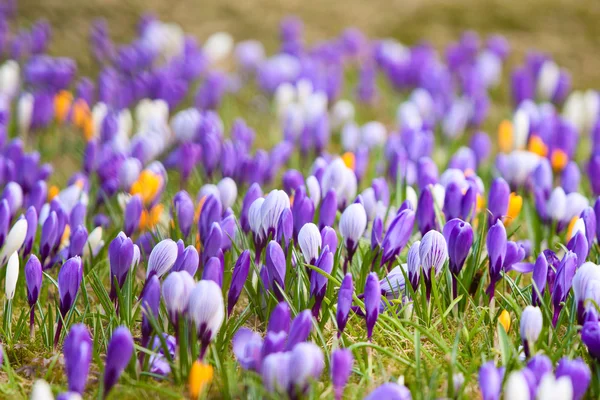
[[531, 327], [118, 355]]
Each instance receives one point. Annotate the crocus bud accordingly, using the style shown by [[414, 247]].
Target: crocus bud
[[274, 204], [555, 388], [299, 330], [247, 346], [118, 355], [433, 252], [162, 258], [132, 215], [253, 193], [413, 262], [397, 236], [353, 223], [77, 350], [540, 276], [150, 305], [276, 267], [238, 279], [176, 290], [69, 280], [425, 214], [588, 215], [579, 373], [562, 284], [306, 364], [344, 303], [303, 210], [579, 245], [78, 240], [341, 368], [584, 276], [14, 239], [120, 255], [12, 275], [516, 386], [318, 282], [390, 391], [329, 238], [32, 222], [213, 271], [490, 381], [41, 390], [531, 327], [309, 240], [280, 319], [496, 246], [275, 372], [183, 209], [328, 209], [498, 200], [206, 310], [539, 365], [372, 302], [187, 261]]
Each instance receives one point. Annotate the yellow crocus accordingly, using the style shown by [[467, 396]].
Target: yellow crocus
[[53, 192], [572, 223], [81, 112], [62, 104], [505, 136], [559, 160], [147, 186], [200, 375], [537, 146], [515, 203], [149, 219], [349, 159], [504, 320]]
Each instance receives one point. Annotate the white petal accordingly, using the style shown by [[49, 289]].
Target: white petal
[[12, 275]]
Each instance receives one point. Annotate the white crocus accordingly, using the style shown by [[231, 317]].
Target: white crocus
[[557, 204], [548, 79], [41, 390], [94, 243], [206, 307], [556, 389], [12, 275], [516, 387], [520, 129], [24, 112], [353, 223], [218, 47], [227, 192], [309, 240], [272, 208], [342, 112], [9, 78], [162, 257], [14, 240], [313, 190]]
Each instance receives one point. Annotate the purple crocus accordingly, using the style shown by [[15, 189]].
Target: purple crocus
[[238, 280], [247, 346], [579, 373], [176, 290], [498, 200], [578, 244], [344, 303], [328, 209], [188, 260], [562, 284], [183, 209], [120, 255], [253, 193], [118, 355], [433, 252], [280, 319], [540, 276], [49, 235], [77, 241], [318, 282], [150, 305], [69, 280], [78, 355], [425, 214], [588, 215], [496, 246], [390, 391], [459, 236], [341, 368], [33, 279], [32, 223], [213, 271], [132, 215], [397, 236], [299, 330], [276, 268], [372, 301], [490, 381]]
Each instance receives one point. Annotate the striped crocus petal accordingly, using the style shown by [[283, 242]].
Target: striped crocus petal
[[162, 258]]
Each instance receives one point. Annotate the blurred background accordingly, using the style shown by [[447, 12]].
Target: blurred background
[[567, 29]]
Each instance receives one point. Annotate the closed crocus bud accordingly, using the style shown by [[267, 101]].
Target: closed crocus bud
[[77, 350], [299, 330], [285, 228], [274, 204], [579, 245], [238, 279], [120, 255], [531, 327], [563, 282], [32, 223], [498, 200], [460, 240], [69, 280], [162, 258], [150, 305], [344, 303], [118, 355], [413, 262], [187, 261], [341, 368], [376, 233], [206, 310], [585, 274], [309, 240], [496, 246], [212, 242], [12, 275], [78, 240], [14, 239], [280, 319], [276, 266], [579, 373], [372, 302], [397, 236], [132, 215], [516, 386], [275, 372], [590, 335], [253, 193], [247, 346], [328, 209], [183, 209], [176, 292], [425, 214], [303, 210], [213, 271], [570, 177], [228, 192], [555, 388], [433, 252], [391, 391], [490, 381], [539, 365], [33, 280], [352, 226], [41, 390], [588, 215], [557, 204], [318, 282], [306, 365], [540, 276], [329, 238]]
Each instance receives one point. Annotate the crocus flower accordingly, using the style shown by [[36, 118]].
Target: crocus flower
[[590, 335], [352, 226], [586, 274], [579, 373], [183, 209], [344, 303], [206, 310], [433, 252], [213, 270], [33, 279], [309, 240], [41, 390], [299, 330], [397, 236], [120, 255], [150, 305], [247, 346], [188, 260], [498, 200], [459, 236], [516, 386], [14, 240], [280, 318], [32, 223], [69, 280], [328, 209], [318, 282], [390, 391], [372, 301], [176, 292], [132, 215], [118, 355], [413, 262], [539, 365], [329, 238], [275, 372], [490, 381], [306, 364], [588, 215], [12, 275], [563, 282], [341, 368], [238, 279], [162, 258], [540, 276], [496, 245], [274, 204], [276, 267], [531, 327], [253, 193], [557, 388], [78, 355], [425, 214]]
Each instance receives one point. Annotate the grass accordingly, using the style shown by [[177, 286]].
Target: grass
[[426, 346]]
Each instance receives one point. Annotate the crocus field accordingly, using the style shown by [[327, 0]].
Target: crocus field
[[351, 217]]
